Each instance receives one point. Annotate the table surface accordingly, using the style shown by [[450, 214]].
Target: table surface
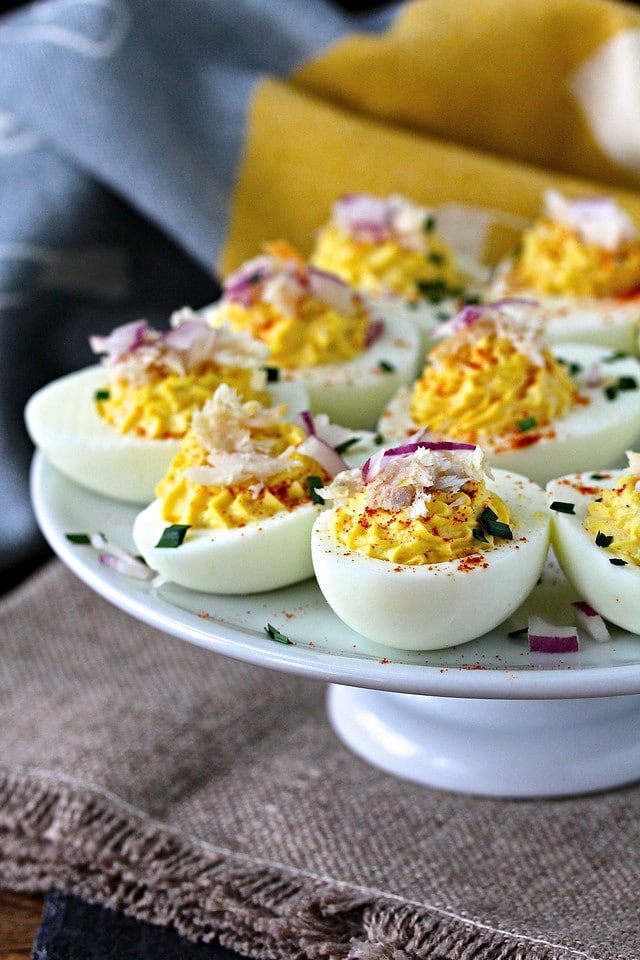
[[20, 916]]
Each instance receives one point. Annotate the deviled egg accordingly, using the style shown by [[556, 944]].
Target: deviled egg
[[596, 538], [389, 249], [115, 427], [425, 549], [320, 333], [581, 261], [235, 510], [491, 380]]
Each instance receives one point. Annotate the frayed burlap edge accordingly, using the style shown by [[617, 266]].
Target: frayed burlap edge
[[57, 834]]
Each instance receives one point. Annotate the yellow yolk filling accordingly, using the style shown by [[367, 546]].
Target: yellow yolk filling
[[387, 268], [488, 388], [317, 334], [240, 503], [162, 406], [444, 533], [617, 515], [555, 260]]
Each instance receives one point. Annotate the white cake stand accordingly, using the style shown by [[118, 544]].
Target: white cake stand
[[485, 717]]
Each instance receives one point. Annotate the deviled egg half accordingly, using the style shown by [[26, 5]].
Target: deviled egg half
[[423, 548], [491, 380], [581, 261], [320, 333], [235, 510], [115, 427], [596, 538], [389, 249]]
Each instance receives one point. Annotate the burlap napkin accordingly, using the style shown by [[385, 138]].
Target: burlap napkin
[[192, 790]]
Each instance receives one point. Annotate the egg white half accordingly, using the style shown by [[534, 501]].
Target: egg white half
[[612, 322], [441, 604], [611, 590], [353, 393], [263, 555], [608, 426], [63, 423]]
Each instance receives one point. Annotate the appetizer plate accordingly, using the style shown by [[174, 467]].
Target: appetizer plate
[[484, 717]]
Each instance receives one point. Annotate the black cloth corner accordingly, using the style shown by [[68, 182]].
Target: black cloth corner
[[72, 929]]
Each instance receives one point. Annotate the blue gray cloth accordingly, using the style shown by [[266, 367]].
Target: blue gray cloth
[[121, 125]]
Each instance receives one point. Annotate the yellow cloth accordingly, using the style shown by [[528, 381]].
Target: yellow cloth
[[483, 103]]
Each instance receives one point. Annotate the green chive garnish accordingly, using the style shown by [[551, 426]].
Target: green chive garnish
[[435, 257], [343, 447], [597, 476], [617, 355], [82, 538], [442, 316], [603, 540], [274, 634], [101, 395], [496, 528], [527, 424], [627, 383], [429, 225], [470, 299], [514, 634], [378, 439], [313, 483], [273, 374], [386, 366], [479, 535], [572, 367], [618, 561], [561, 506], [173, 535]]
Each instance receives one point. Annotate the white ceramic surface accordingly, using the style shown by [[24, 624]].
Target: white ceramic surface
[[492, 668]]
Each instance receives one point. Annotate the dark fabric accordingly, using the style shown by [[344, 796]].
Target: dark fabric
[[72, 929]]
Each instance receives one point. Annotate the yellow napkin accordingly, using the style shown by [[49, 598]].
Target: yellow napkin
[[480, 103]]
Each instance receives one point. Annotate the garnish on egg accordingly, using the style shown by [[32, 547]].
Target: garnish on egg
[[491, 379], [420, 541], [242, 493]]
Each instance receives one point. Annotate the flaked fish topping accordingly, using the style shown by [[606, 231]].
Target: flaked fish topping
[[226, 423], [372, 219], [135, 352], [512, 319], [597, 220], [407, 477]]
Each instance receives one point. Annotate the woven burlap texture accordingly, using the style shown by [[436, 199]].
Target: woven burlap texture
[[193, 790]]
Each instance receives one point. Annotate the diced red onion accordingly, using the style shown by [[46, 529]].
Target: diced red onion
[[371, 467], [122, 340], [545, 637], [363, 216], [122, 561], [307, 423], [186, 334], [323, 454], [332, 290], [375, 330], [591, 621]]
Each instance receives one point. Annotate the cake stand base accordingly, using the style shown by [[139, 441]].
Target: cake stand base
[[501, 748]]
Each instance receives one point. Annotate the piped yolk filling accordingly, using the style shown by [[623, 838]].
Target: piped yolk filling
[[617, 515], [161, 407], [488, 388], [236, 504], [387, 268], [316, 334], [555, 260], [448, 530]]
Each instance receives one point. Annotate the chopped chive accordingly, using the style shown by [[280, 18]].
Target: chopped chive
[[275, 634], [386, 366], [479, 535], [573, 368], [429, 224], [101, 395], [618, 561], [435, 291], [434, 256], [527, 424], [442, 315], [489, 520], [343, 447], [617, 355], [561, 506], [378, 439], [611, 391], [173, 535], [470, 299], [82, 538], [627, 383], [273, 374], [313, 484], [603, 540], [597, 476], [514, 634]]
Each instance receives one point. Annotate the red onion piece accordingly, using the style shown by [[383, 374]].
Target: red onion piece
[[545, 637], [371, 467], [591, 621], [122, 340], [323, 454]]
